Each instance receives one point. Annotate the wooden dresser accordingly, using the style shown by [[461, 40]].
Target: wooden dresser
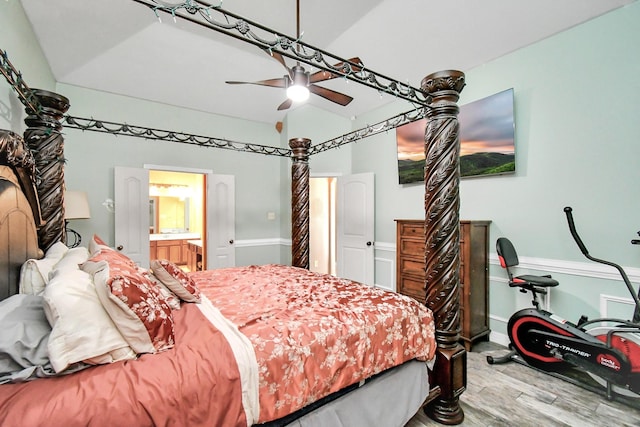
[[474, 272]]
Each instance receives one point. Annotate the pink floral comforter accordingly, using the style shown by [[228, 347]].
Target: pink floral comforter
[[315, 334]]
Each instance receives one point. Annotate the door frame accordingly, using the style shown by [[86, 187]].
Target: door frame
[[198, 171], [334, 233]]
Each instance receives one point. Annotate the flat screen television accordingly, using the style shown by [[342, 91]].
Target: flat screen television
[[487, 145]]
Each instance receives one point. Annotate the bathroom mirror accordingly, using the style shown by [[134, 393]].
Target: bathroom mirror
[[168, 214]]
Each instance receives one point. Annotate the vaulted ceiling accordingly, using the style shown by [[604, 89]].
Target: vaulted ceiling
[[119, 46]]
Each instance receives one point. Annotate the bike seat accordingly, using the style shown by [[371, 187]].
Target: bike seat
[[508, 257], [527, 280]]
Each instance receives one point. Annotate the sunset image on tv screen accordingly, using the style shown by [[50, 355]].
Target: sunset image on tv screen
[[486, 140]]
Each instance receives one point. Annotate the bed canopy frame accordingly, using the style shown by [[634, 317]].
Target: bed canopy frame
[[436, 100]]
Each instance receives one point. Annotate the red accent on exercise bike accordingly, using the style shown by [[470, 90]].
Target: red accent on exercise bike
[[627, 347], [503, 264], [522, 348]]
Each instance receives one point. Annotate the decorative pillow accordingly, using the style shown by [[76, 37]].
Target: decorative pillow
[[81, 328], [170, 297], [176, 280], [139, 311], [117, 258], [34, 274], [96, 244]]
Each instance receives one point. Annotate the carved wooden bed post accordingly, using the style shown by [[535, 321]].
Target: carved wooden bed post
[[442, 231], [45, 141], [300, 202]]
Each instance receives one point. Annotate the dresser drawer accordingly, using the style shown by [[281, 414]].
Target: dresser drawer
[[412, 247], [411, 228], [413, 287], [413, 267]]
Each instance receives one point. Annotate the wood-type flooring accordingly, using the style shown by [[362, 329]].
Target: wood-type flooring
[[515, 395]]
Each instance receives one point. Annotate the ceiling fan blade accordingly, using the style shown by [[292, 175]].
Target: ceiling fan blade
[[278, 57], [331, 95], [323, 75], [281, 82], [285, 105]]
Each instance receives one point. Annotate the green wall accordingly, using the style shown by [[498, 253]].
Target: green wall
[[576, 106], [19, 42]]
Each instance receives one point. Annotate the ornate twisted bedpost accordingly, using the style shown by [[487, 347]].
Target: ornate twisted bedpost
[[300, 202], [45, 141], [442, 231]]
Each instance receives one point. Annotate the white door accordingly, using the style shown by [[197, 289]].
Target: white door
[[131, 197], [221, 231], [356, 227]]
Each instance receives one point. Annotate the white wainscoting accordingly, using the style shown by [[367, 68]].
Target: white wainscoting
[[574, 268], [386, 254], [608, 303], [251, 243], [385, 265]]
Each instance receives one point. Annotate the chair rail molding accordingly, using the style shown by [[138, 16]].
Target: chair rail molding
[[573, 268]]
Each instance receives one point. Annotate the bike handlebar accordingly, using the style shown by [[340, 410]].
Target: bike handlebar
[[572, 227], [585, 252]]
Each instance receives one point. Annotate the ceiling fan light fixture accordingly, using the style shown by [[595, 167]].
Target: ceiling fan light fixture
[[298, 93]]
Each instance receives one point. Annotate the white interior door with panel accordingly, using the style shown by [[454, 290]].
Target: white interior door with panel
[[131, 197], [221, 232], [356, 227]]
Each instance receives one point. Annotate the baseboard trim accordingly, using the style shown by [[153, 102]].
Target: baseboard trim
[[499, 338]]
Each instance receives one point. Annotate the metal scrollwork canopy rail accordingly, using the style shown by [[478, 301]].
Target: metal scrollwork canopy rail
[[14, 77], [223, 21], [113, 128], [369, 130]]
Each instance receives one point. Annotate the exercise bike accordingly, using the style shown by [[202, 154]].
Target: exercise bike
[[607, 349]]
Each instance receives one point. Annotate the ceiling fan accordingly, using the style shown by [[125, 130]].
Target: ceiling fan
[[299, 83]]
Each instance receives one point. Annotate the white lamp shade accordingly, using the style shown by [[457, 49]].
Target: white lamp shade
[[76, 205]]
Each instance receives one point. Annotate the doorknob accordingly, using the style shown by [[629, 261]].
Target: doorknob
[[369, 243], [120, 247]]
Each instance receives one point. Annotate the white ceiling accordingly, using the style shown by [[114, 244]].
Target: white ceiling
[[119, 46]]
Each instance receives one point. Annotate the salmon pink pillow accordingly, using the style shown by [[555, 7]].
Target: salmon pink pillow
[[176, 280], [140, 312], [172, 299]]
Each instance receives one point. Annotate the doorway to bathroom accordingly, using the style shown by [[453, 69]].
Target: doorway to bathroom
[[342, 227], [138, 221], [322, 224], [177, 218]]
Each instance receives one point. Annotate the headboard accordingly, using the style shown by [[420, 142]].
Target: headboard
[[18, 203]]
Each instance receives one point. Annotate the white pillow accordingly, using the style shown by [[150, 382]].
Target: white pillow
[[71, 260], [34, 273], [81, 328]]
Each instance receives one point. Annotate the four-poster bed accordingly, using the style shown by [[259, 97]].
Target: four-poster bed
[[440, 91]]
